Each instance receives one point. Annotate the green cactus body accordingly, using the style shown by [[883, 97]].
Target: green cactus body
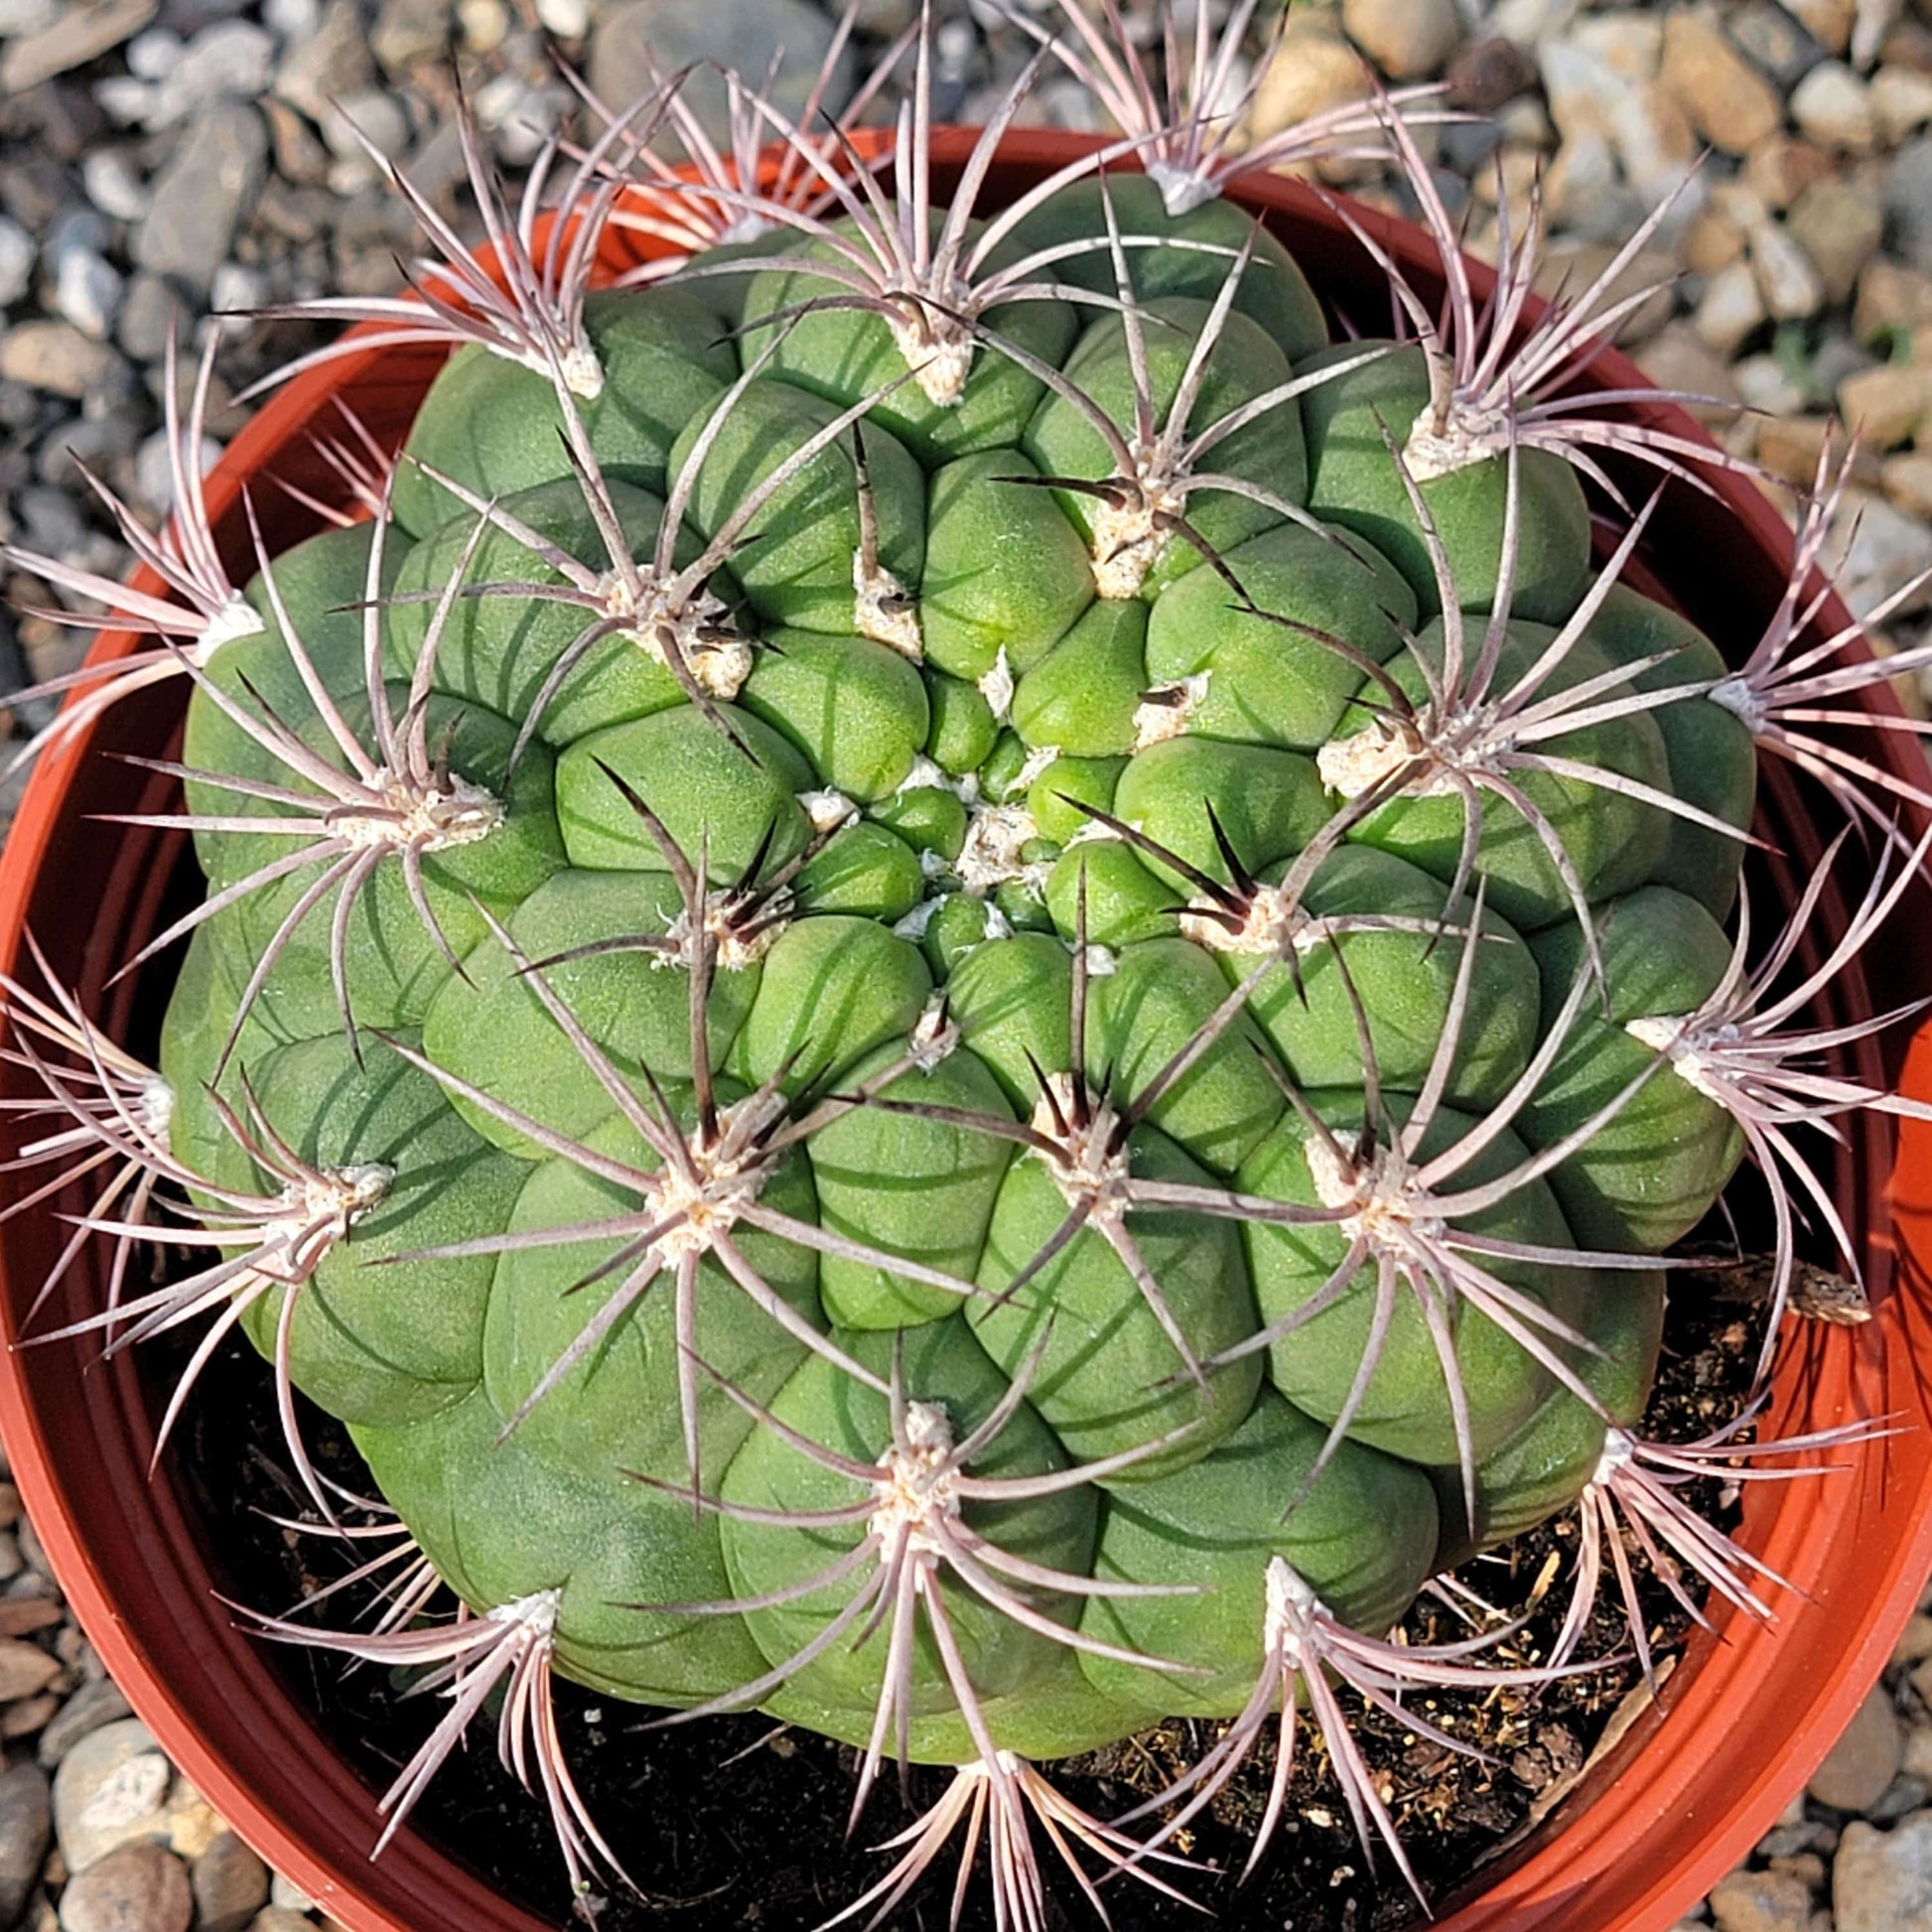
[[897, 990]]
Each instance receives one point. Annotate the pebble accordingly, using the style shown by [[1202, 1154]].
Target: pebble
[[1782, 169], [154, 480], [1763, 382], [200, 195], [138, 1888], [1840, 229], [70, 39], [1761, 1901], [1728, 101], [233, 61], [1879, 552], [1833, 107], [1829, 21], [1313, 69], [1882, 1881], [1601, 93], [285, 1896], [112, 179], [1731, 310], [1775, 42], [1677, 358], [1901, 103], [1907, 198], [1891, 297], [25, 1826], [1790, 283], [277, 1919], [88, 292], [25, 1668], [230, 1886], [110, 1789], [17, 256], [1907, 482], [1865, 1759], [1407, 39], [1888, 404], [741, 34], [329, 62], [57, 357]]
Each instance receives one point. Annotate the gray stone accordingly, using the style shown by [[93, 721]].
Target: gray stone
[[1905, 1793], [408, 33], [739, 33], [199, 198], [88, 292], [139, 1888], [1884, 551], [231, 62], [230, 1886], [149, 306], [26, 1824], [72, 37], [154, 477], [1840, 229], [1907, 200], [16, 253], [98, 1701], [1882, 1881], [286, 1896], [58, 357], [1864, 1759], [1775, 42], [111, 1789], [327, 63]]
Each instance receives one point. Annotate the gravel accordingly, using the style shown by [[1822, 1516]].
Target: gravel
[[160, 158]]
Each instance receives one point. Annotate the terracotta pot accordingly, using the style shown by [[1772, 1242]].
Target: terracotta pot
[[1744, 1719]]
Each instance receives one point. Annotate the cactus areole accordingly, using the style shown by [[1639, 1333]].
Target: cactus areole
[[956, 989]]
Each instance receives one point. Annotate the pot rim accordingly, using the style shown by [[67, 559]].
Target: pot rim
[[1676, 1806]]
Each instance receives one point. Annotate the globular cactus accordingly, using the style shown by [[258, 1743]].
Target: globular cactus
[[950, 985]]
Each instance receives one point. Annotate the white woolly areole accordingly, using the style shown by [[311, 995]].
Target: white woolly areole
[[1289, 1608], [883, 612], [1166, 713], [996, 836], [1357, 764], [1085, 1165], [157, 1108], [235, 620], [431, 819], [997, 687], [719, 665], [577, 363], [319, 1213], [827, 809], [935, 1036], [1038, 761], [938, 352], [915, 923], [709, 1199], [535, 1613], [1275, 923], [1381, 1208], [1619, 1451], [1466, 436], [1182, 190], [1739, 697], [734, 950], [919, 1485], [1691, 1054], [1128, 540], [925, 777]]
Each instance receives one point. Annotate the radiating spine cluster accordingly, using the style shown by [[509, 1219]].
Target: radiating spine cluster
[[949, 984]]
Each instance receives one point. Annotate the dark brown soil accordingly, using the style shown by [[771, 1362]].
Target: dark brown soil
[[731, 1824]]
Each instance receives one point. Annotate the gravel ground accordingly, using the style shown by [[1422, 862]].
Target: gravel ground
[[165, 160]]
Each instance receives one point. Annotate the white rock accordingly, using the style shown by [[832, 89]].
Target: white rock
[[1876, 550], [155, 54], [154, 480], [88, 292], [16, 253], [1731, 307], [1832, 106], [1408, 40], [1763, 382], [286, 1896], [1787, 277], [110, 1789], [1901, 103], [1882, 1881], [113, 183], [569, 20]]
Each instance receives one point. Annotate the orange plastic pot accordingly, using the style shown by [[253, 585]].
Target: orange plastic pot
[[1744, 1719]]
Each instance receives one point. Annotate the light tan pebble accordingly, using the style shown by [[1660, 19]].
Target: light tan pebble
[[1731, 310], [193, 1822], [1782, 169], [286, 1896], [1760, 1901], [275, 1919], [25, 1669], [1833, 107], [1822, 1921], [1907, 482], [1409, 40], [1840, 228], [230, 1886], [1863, 1761], [9, 1506], [1918, 1753], [1901, 103], [1710, 242], [1791, 285], [1313, 68], [28, 1716], [1828, 22], [1728, 100], [1806, 1866], [1886, 404], [1891, 296], [137, 1889], [1788, 445], [1763, 382], [1883, 1880]]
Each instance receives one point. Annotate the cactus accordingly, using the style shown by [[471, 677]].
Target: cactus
[[950, 987]]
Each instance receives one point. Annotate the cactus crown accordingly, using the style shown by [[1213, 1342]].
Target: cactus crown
[[951, 986]]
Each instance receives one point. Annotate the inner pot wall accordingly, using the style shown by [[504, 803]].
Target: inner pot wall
[[1746, 1716]]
